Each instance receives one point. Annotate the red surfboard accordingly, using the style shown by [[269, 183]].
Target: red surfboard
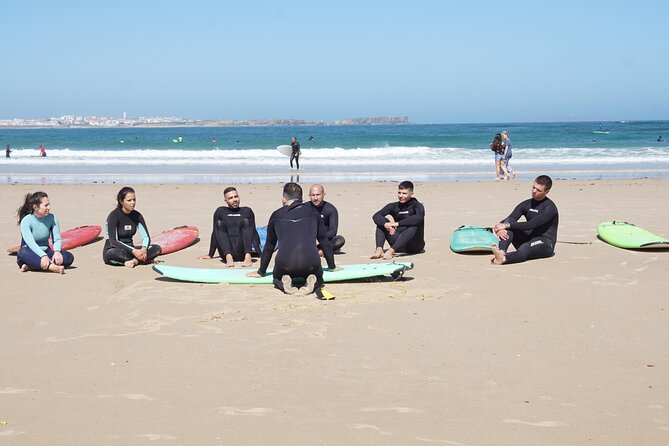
[[175, 239], [72, 237]]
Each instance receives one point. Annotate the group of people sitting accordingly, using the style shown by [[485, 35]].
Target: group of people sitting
[[302, 232]]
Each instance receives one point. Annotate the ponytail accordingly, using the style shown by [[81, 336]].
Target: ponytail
[[31, 200]]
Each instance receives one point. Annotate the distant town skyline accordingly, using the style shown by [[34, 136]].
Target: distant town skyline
[[437, 62]]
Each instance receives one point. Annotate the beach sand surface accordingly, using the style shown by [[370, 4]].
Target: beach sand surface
[[571, 350]]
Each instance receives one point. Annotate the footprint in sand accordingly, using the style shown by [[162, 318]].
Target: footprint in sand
[[253, 412], [537, 424], [371, 426]]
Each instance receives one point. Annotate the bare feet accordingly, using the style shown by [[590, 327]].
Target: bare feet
[[24, 268], [60, 269], [499, 257], [377, 254], [229, 261], [389, 254], [320, 253], [247, 261], [132, 263]]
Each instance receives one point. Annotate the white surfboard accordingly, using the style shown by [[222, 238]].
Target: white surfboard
[[285, 149]]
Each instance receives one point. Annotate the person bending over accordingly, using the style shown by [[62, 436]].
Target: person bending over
[[121, 226], [406, 231], [294, 227], [234, 232], [533, 238], [329, 215], [38, 225]]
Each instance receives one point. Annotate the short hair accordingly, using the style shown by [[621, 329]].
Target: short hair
[[292, 191], [229, 189], [545, 181], [406, 185]]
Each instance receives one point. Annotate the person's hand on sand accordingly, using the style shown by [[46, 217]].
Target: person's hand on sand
[[253, 274]]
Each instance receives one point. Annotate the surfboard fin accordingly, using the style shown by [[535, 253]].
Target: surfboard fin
[[324, 294]]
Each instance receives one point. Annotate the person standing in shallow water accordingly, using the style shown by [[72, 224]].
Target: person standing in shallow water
[[8, 150], [295, 155]]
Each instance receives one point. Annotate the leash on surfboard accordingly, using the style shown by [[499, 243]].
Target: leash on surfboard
[[574, 243]]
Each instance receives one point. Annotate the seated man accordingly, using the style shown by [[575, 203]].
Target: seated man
[[407, 230], [533, 238], [295, 226], [329, 215], [234, 234]]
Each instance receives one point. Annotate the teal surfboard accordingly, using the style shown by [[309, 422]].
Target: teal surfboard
[[472, 239], [629, 236], [233, 275]]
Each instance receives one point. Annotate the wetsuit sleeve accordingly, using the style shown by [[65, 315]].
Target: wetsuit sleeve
[[28, 238], [212, 241], [55, 235], [334, 222], [268, 249], [518, 212], [380, 217], [548, 213], [416, 219], [112, 232], [143, 232], [323, 240]]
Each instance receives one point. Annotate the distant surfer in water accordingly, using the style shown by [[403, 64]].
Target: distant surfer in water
[[406, 231], [234, 232], [295, 226], [659, 139], [42, 150], [38, 225], [295, 155], [8, 150], [533, 238], [121, 226]]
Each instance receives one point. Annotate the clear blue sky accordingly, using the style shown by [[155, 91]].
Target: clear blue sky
[[435, 61]]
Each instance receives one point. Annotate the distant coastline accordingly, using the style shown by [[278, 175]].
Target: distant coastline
[[71, 121]]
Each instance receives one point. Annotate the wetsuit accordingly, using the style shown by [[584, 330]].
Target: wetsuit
[[410, 234], [295, 228], [330, 218], [119, 231], [234, 232], [295, 155], [35, 234], [534, 238]]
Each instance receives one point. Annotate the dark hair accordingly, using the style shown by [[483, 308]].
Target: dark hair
[[292, 191], [406, 185], [121, 195], [545, 181], [30, 200], [229, 189], [496, 145]]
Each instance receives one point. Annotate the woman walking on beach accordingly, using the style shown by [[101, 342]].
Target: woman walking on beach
[[121, 226], [508, 153], [38, 225], [498, 147]]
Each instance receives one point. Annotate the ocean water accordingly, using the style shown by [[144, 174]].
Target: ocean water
[[431, 152]]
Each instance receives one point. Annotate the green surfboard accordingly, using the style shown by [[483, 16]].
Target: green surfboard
[[629, 236], [472, 239], [229, 275]]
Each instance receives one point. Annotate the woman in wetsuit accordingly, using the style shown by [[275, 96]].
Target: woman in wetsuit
[[122, 224], [38, 224]]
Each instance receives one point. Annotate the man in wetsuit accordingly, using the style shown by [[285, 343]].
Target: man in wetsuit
[[295, 155], [234, 234], [329, 215], [406, 231], [533, 238], [294, 227]]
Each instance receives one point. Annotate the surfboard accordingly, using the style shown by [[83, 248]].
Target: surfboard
[[71, 238], [285, 149], [472, 239], [238, 276], [262, 233], [175, 239], [629, 236]]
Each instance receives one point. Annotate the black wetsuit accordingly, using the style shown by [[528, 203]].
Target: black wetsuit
[[234, 232], [295, 155], [296, 229], [409, 236], [534, 238], [119, 231], [330, 218]]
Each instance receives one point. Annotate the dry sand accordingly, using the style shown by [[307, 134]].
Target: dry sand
[[571, 350]]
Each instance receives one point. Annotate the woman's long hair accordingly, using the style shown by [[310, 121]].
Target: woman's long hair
[[121, 196], [31, 200]]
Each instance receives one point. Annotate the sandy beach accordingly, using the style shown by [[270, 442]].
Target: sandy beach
[[570, 350]]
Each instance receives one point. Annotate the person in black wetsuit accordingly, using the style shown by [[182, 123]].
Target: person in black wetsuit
[[406, 231], [329, 215], [121, 225], [234, 232], [294, 227], [533, 238], [296, 153]]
